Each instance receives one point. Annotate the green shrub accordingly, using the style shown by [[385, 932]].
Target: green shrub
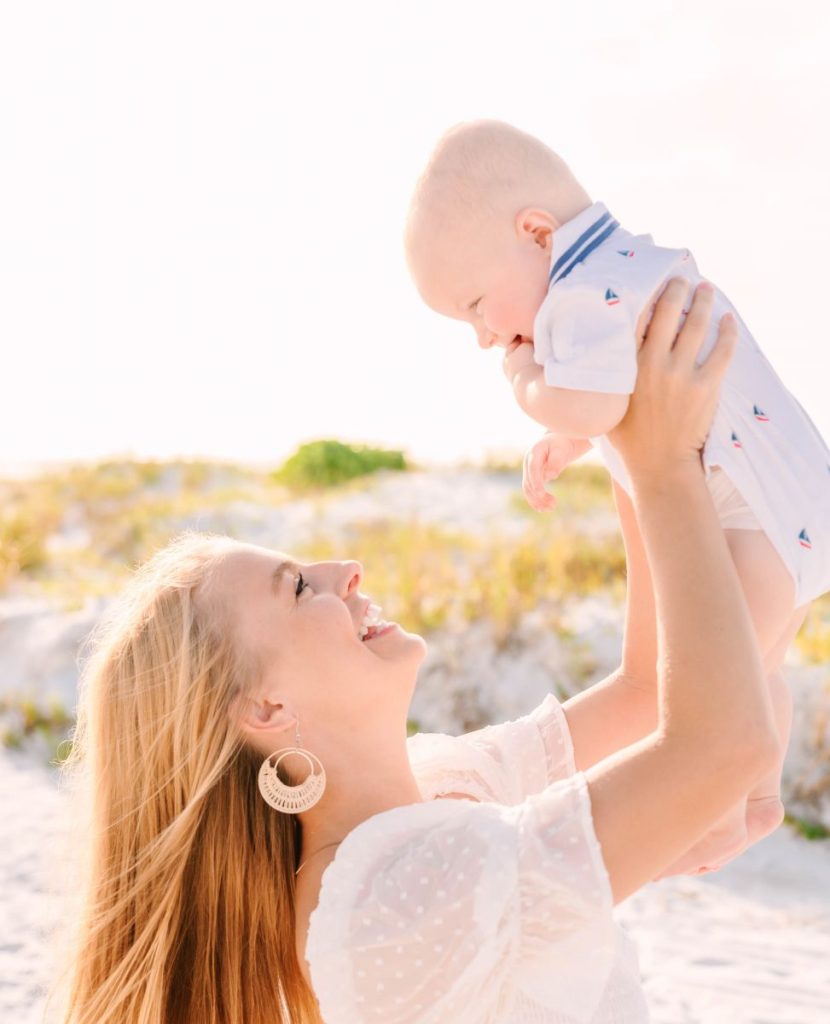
[[808, 829], [327, 463]]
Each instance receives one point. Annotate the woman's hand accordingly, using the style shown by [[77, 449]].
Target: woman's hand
[[674, 400]]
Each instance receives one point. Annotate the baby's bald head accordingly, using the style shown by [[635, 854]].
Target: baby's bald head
[[479, 176]]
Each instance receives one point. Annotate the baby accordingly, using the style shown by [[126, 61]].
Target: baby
[[501, 235]]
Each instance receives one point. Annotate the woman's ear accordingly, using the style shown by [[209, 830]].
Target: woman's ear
[[537, 224], [258, 715]]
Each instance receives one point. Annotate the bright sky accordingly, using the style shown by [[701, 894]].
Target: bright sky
[[202, 205]]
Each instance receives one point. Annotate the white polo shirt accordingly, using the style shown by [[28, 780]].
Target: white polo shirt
[[601, 279]]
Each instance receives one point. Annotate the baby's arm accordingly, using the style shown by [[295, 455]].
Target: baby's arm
[[577, 414]]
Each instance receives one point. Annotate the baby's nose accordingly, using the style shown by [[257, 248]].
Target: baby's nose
[[486, 339]]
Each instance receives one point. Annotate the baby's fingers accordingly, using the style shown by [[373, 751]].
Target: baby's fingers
[[539, 501], [533, 482]]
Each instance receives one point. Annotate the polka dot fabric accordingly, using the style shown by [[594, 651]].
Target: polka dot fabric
[[501, 763], [496, 912]]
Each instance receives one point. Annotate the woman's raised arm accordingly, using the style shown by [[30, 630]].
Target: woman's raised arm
[[715, 734]]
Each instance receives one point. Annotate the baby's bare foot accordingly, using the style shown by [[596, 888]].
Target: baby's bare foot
[[719, 845], [763, 815]]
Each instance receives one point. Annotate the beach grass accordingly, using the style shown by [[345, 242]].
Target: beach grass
[[429, 577], [25, 722], [813, 640], [77, 532]]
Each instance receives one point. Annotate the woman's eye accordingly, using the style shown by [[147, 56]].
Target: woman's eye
[[301, 585]]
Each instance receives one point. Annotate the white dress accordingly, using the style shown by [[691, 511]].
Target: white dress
[[499, 912]]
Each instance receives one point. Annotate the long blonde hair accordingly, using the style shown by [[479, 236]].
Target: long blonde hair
[[188, 899]]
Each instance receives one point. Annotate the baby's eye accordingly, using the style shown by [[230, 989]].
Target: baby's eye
[[301, 585]]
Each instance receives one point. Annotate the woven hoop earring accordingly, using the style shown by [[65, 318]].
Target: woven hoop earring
[[291, 799]]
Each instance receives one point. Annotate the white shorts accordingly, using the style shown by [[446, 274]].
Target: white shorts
[[733, 511]]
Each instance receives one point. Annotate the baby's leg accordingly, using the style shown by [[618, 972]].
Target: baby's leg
[[769, 591], [764, 811]]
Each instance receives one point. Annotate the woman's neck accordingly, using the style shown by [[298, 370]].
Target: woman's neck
[[352, 797]]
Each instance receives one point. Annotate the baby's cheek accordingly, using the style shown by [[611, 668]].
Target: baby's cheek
[[504, 315]]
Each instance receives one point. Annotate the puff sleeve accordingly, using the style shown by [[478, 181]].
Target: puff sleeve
[[584, 332], [502, 763], [440, 911], [534, 750]]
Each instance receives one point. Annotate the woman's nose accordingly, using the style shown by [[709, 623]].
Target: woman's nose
[[352, 576]]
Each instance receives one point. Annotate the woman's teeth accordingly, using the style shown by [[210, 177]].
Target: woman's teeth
[[372, 623]]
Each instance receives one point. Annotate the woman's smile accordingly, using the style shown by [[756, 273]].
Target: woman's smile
[[381, 630]]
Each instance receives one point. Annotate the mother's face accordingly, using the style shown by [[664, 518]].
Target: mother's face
[[303, 622]]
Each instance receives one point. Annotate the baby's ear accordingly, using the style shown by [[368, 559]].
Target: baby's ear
[[537, 224]]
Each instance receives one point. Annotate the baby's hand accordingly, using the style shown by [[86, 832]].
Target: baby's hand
[[527, 380], [545, 461], [517, 356]]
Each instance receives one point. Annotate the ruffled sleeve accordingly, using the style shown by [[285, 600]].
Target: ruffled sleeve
[[502, 763], [557, 746], [447, 911]]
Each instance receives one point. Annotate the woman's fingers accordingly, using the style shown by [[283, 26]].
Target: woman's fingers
[[671, 410], [693, 332], [716, 363], [662, 328]]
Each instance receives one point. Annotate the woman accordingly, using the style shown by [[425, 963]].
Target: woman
[[224, 890]]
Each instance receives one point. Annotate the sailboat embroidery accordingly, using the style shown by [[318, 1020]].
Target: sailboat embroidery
[[804, 540], [611, 298], [736, 441], [759, 414], [626, 252]]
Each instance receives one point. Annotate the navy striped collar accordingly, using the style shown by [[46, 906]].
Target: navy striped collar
[[577, 238]]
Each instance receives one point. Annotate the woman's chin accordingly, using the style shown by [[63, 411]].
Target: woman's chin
[[417, 641]]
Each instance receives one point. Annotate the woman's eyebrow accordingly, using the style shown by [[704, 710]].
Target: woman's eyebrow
[[279, 572]]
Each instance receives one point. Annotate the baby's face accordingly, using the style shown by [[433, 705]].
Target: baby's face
[[494, 278]]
